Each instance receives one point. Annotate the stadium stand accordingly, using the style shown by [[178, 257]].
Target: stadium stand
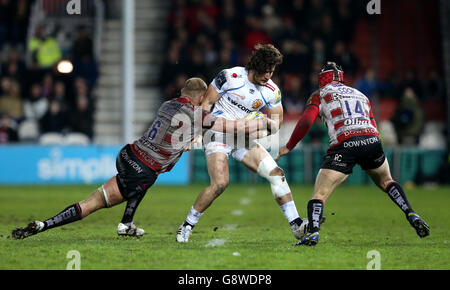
[[34, 36], [383, 55], [308, 33]]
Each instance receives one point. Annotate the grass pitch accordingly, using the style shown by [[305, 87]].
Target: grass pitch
[[243, 230]]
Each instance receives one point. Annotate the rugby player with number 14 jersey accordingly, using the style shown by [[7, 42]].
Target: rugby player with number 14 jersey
[[354, 139]]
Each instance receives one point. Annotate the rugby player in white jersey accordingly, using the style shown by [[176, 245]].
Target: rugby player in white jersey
[[233, 94], [354, 140], [177, 123]]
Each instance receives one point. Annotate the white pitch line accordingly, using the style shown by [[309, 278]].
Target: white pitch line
[[229, 227], [237, 212], [245, 201], [215, 242], [251, 191]]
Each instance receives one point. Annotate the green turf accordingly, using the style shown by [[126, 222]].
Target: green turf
[[359, 219]]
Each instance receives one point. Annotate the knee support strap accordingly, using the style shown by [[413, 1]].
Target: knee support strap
[[278, 183], [104, 196]]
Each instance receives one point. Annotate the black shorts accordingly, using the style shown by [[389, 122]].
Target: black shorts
[[366, 151], [133, 177]]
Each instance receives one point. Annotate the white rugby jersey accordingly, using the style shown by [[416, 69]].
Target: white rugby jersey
[[345, 111], [241, 97]]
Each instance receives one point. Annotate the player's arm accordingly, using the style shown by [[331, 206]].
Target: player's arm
[[210, 121], [372, 119], [275, 114], [305, 123], [243, 126], [210, 98]]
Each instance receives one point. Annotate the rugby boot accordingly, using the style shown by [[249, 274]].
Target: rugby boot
[[30, 230], [310, 239], [418, 224], [129, 229], [299, 231], [183, 233]]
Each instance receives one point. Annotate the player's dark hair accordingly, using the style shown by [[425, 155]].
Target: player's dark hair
[[264, 58]]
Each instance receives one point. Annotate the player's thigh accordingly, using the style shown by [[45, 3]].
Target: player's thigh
[[326, 182], [105, 196], [112, 192], [218, 170], [381, 176]]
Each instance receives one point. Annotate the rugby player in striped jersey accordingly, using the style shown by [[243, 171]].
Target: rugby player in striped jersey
[[354, 139], [177, 123]]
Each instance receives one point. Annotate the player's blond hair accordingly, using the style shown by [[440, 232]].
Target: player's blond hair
[[195, 87]]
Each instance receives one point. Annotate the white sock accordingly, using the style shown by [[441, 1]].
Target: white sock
[[193, 216], [289, 211]]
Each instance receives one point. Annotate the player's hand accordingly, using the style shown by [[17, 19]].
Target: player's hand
[[270, 125], [189, 147], [283, 151]]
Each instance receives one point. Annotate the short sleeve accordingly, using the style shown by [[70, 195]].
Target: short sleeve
[[221, 82], [272, 96]]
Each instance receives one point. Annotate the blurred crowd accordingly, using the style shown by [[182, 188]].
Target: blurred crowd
[[206, 36], [36, 98]]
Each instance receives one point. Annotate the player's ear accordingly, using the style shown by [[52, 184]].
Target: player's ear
[[201, 98]]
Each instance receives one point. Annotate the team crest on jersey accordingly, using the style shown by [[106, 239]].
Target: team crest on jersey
[[278, 97], [252, 91], [256, 104]]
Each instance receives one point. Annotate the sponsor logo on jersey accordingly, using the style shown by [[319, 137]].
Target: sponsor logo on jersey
[[357, 143], [243, 108], [349, 122], [278, 97], [252, 91], [360, 132], [131, 162], [256, 104]]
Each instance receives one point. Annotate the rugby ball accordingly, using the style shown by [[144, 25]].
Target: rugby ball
[[254, 115], [258, 134]]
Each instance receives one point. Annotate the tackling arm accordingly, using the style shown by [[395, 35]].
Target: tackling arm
[[372, 119], [243, 126], [210, 98], [306, 121], [276, 115]]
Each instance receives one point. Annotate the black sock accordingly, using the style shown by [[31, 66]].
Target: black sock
[[187, 224], [315, 213], [131, 208], [297, 221], [396, 193], [69, 215]]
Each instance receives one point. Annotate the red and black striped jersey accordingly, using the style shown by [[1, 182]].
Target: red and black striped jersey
[[177, 122]]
